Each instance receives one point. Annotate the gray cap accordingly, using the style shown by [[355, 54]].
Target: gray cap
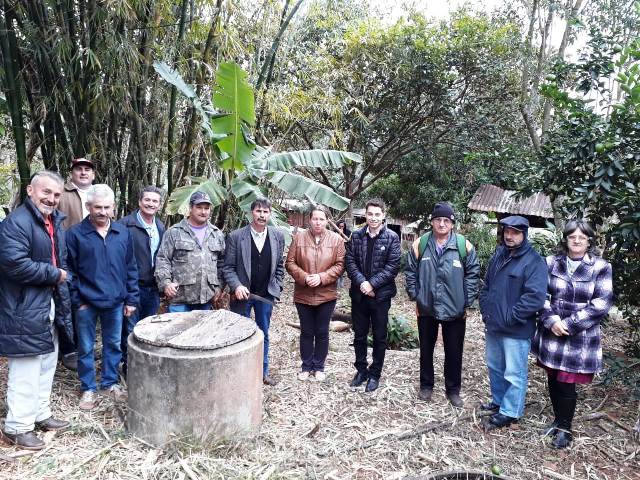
[[199, 197]]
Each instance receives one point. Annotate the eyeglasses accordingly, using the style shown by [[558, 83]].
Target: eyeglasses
[[577, 238]]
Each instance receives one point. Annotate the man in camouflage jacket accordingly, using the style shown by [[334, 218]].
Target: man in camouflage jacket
[[188, 265]]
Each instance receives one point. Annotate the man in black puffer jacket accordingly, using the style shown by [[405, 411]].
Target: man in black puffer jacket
[[372, 263], [33, 296]]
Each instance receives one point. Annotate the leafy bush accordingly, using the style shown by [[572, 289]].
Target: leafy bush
[[400, 334], [483, 239], [545, 245]]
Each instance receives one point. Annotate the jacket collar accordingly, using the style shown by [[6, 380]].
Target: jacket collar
[[584, 273], [86, 227], [57, 216], [131, 220]]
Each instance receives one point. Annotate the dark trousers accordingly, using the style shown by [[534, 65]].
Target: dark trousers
[[314, 334], [67, 345], [367, 313], [453, 339], [149, 305]]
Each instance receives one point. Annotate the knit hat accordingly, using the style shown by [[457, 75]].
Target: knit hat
[[443, 210]]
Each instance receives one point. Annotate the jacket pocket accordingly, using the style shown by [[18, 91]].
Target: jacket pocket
[[183, 250]]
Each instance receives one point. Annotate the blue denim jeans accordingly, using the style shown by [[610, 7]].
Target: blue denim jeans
[[188, 307], [149, 304], [263, 319], [111, 327], [508, 372]]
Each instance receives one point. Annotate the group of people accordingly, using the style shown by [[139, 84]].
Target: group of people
[[66, 263]]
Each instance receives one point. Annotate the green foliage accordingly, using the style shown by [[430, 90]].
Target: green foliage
[[483, 239], [250, 169], [400, 334], [546, 245], [591, 159]]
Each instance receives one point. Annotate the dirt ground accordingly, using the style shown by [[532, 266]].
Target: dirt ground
[[331, 431]]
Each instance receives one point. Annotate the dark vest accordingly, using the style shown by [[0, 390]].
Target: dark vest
[[260, 268]]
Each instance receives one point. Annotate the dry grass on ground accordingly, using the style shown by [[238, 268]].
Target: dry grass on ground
[[330, 431]]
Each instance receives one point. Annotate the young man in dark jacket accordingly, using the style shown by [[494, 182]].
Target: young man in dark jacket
[[104, 284], [372, 263], [146, 232], [34, 298], [443, 282], [514, 292]]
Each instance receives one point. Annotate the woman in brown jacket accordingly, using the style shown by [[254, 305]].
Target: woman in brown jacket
[[315, 261]]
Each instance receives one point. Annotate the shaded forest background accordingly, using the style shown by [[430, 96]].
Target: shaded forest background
[[538, 95]]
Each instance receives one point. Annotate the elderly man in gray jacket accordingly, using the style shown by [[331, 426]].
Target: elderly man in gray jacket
[[442, 278]]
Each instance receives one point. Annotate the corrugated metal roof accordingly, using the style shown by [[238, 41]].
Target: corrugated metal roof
[[489, 198]]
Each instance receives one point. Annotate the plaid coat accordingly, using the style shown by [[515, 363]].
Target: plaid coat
[[581, 301]]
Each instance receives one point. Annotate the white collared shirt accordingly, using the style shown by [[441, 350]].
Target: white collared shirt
[[258, 238], [374, 235]]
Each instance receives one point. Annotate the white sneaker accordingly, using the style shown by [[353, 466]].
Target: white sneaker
[[88, 400], [303, 376], [320, 376]]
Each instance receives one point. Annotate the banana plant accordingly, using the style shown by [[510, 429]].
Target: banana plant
[[249, 169]]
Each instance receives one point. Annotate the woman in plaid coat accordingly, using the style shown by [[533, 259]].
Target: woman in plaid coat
[[567, 340]]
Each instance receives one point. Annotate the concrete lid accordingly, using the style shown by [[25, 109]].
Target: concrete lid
[[197, 330]]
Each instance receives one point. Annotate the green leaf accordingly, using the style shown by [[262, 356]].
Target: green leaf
[[246, 191], [299, 186], [233, 95], [179, 200], [331, 159]]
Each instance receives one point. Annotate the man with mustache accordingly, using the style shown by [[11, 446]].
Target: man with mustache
[[73, 205], [189, 261], [104, 284], [372, 262], [34, 296], [146, 231], [514, 291], [253, 264]]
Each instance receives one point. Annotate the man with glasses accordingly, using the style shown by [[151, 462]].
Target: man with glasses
[[442, 276], [372, 262]]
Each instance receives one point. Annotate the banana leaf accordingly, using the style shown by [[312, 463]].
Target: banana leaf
[[179, 200], [299, 186]]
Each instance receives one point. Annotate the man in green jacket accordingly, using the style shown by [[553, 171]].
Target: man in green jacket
[[442, 278]]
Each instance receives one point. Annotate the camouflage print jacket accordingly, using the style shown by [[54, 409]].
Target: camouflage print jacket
[[194, 268]]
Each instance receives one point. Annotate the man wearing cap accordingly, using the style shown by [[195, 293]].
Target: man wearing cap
[[146, 231], [253, 269], [442, 275], [514, 292], [73, 205], [189, 261], [74, 197], [34, 295]]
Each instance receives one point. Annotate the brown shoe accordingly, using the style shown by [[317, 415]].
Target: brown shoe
[[27, 440], [116, 392], [267, 380], [88, 400], [425, 394], [52, 424]]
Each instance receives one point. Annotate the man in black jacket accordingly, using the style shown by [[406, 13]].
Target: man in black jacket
[[147, 231], [372, 262], [33, 297]]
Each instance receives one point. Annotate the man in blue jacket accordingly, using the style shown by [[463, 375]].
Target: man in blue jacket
[[146, 232], [514, 292], [372, 262], [34, 298], [104, 284]]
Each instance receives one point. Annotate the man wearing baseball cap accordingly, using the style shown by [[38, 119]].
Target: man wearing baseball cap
[[74, 196], [514, 292], [189, 261], [73, 203]]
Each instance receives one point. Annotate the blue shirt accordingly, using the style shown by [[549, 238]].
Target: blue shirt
[[154, 235]]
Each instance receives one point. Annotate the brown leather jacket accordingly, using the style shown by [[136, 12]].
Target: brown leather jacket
[[305, 258], [71, 205]]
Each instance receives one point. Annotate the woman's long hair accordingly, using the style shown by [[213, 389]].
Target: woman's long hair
[[584, 227]]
